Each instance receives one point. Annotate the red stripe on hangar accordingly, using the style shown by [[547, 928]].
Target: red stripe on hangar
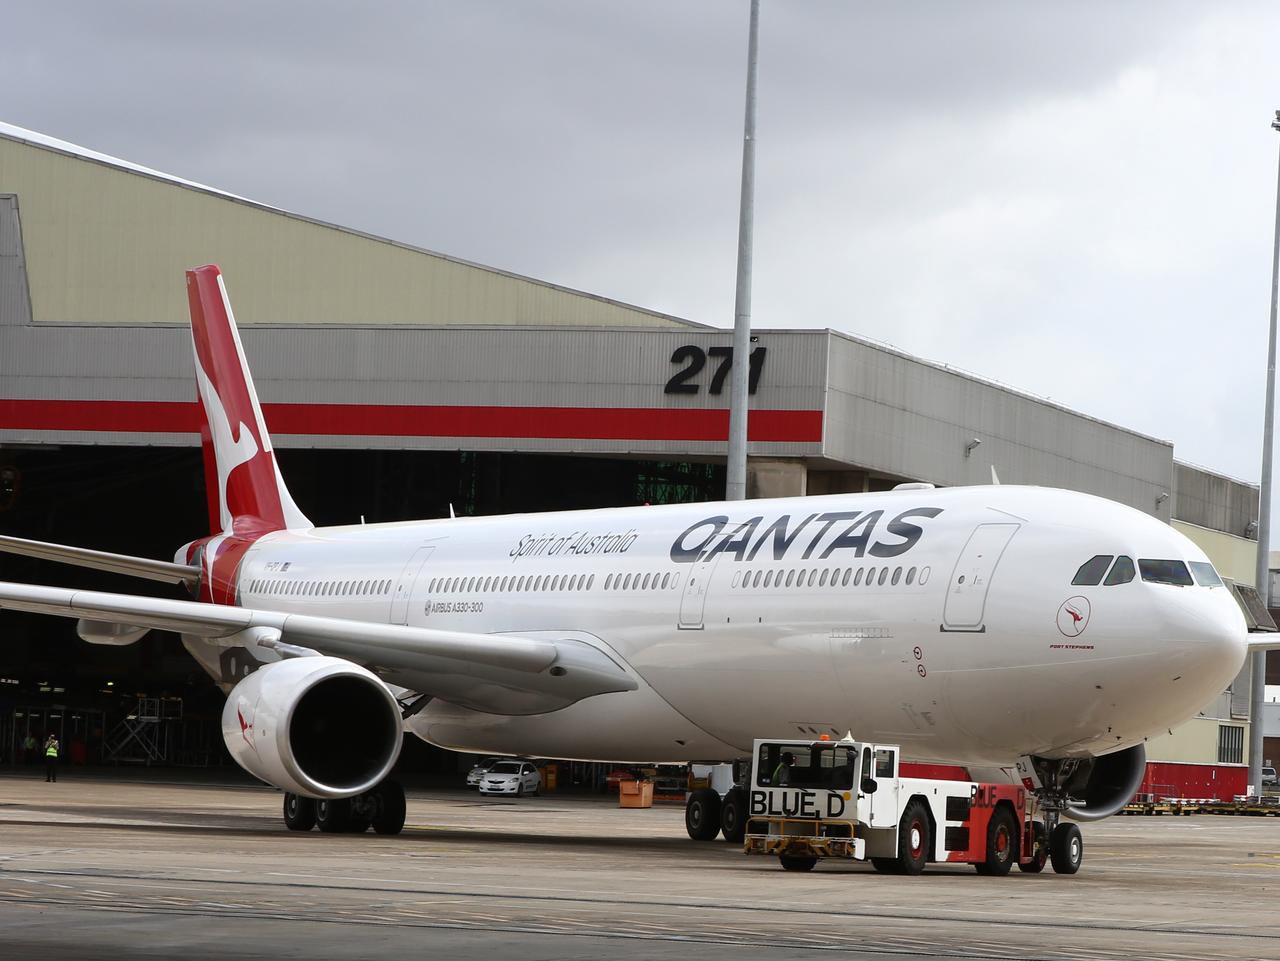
[[394, 420]]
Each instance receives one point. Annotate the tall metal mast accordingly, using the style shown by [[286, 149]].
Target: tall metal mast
[[1258, 661], [735, 487]]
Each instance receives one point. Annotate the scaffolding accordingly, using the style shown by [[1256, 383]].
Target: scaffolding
[[146, 734]]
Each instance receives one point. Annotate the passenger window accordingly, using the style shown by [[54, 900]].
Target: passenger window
[[1121, 572], [857, 578], [608, 581], [644, 586], [844, 581], [1091, 571], [790, 577], [1205, 575], [626, 583], [768, 578], [813, 576], [924, 575], [1165, 572], [666, 579], [897, 573], [884, 573], [822, 581], [911, 576], [871, 576]]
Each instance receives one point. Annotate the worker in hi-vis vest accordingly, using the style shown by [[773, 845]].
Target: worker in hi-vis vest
[[51, 758]]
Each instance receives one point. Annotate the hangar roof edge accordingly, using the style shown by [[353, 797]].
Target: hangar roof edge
[[42, 141]]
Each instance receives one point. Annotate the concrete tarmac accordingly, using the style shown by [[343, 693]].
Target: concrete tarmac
[[105, 868]]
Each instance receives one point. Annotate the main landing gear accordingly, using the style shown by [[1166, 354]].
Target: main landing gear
[[383, 809]]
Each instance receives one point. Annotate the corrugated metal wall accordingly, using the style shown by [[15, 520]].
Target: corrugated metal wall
[[1214, 501], [108, 246], [897, 414]]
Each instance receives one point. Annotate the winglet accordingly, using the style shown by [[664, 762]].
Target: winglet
[[239, 460]]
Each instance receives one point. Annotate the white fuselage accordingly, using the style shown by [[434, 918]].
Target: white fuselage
[[942, 631]]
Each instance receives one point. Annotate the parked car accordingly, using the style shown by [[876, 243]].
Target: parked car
[[511, 777], [1269, 778], [479, 769]]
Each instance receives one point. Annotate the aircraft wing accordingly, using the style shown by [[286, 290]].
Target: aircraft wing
[[101, 560], [498, 673]]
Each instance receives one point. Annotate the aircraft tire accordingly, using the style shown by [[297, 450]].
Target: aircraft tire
[[796, 862], [299, 812], [389, 818], [702, 814], [733, 816], [1066, 849], [914, 842], [333, 816], [1002, 844], [1039, 850]]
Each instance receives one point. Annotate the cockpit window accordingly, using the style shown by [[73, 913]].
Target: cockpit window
[[1121, 571], [1091, 571], [1165, 572], [1205, 575]]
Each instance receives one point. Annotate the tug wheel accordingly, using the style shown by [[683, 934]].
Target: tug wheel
[[1002, 844], [702, 814], [797, 862]]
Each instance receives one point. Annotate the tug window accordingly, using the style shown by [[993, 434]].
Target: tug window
[[1165, 572], [1091, 571], [823, 766], [1206, 576], [1121, 572]]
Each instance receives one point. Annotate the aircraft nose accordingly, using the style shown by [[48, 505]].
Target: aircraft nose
[[1217, 635]]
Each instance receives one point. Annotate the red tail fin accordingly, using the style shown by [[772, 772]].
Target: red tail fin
[[251, 495]]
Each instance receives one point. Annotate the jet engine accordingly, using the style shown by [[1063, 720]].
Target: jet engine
[[1101, 786], [320, 727]]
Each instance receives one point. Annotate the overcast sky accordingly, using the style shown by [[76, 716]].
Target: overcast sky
[[1076, 199]]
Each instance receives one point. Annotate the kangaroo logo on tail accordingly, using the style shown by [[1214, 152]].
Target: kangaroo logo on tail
[[251, 493]]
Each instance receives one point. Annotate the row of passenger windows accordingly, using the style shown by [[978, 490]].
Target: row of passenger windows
[[833, 577], [286, 587], [552, 582], [1153, 571]]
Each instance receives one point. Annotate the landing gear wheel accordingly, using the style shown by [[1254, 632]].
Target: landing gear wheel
[[389, 818], [299, 813], [796, 862], [914, 840], [702, 815], [1066, 849], [733, 816], [333, 816], [1039, 849], [1002, 844]]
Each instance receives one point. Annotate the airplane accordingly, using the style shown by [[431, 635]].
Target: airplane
[[976, 625]]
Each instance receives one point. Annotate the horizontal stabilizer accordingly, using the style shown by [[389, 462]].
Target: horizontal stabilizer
[[102, 560]]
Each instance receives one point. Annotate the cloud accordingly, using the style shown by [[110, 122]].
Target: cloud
[[1075, 199]]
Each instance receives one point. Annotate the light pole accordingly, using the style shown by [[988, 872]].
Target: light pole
[[1258, 661], [735, 484]]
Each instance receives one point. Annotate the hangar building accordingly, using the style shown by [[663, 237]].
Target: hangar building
[[399, 383]]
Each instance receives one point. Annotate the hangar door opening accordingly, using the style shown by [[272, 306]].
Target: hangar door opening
[[971, 579]]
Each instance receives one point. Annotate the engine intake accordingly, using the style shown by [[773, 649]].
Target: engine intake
[[1102, 788], [320, 727]]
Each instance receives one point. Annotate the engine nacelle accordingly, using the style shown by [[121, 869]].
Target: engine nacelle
[[1107, 784], [320, 727]]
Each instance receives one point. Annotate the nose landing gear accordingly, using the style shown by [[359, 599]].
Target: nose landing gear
[[1061, 842]]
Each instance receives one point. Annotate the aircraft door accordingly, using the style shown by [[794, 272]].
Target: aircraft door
[[971, 579], [696, 585], [404, 586]]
